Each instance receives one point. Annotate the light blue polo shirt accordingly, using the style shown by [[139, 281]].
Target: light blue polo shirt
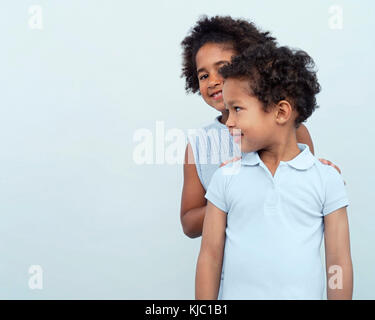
[[275, 225]]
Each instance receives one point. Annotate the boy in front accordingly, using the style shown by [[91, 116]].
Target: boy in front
[[265, 222]]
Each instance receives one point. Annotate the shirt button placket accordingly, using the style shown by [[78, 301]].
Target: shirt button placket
[[272, 202]]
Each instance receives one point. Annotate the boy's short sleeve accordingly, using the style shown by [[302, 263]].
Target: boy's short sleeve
[[335, 193], [216, 191]]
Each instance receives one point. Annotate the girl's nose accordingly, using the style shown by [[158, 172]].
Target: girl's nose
[[214, 81]]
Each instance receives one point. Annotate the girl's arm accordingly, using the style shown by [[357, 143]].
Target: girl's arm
[[193, 202], [303, 136], [339, 267], [210, 260]]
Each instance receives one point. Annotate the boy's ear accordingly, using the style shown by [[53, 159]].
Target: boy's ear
[[283, 112]]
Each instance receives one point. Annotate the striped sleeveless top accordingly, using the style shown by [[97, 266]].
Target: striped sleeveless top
[[212, 145]]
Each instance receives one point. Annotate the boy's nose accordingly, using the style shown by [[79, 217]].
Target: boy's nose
[[230, 122]]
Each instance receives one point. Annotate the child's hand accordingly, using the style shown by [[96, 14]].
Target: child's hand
[[229, 161], [324, 161]]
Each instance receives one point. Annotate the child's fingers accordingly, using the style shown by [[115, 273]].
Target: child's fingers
[[337, 168], [324, 161], [327, 162], [228, 161], [223, 164]]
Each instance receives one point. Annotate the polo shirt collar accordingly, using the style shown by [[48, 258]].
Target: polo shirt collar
[[302, 161], [250, 158]]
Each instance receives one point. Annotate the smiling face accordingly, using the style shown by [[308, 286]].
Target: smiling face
[[209, 58], [246, 113]]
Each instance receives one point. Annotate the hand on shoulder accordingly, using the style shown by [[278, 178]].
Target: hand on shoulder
[[229, 161]]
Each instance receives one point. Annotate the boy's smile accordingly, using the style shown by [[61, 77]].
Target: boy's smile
[[209, 59]]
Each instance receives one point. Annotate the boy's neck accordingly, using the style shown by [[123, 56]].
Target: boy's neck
[[285, 149], [224, 117]]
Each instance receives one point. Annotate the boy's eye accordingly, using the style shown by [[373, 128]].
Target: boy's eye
[[204, 76], [237, 109]]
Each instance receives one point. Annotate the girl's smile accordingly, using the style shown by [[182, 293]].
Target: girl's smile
[[209, 59], [218, 95]]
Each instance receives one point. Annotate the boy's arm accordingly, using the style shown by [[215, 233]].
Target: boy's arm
[[193, 202], [209, 265], [339, 267]]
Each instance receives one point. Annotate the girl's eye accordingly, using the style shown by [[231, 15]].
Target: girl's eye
[[237, 109], [203, 77]]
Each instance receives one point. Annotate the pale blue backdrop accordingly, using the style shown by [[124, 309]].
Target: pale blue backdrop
[[72, 95]]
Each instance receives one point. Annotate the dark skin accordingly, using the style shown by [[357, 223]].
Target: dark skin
[[210, 57]]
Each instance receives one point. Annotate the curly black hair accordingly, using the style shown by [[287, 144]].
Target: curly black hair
[[238, 33], [275, 74]]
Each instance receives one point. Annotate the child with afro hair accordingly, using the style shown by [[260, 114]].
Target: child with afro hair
[[211, 44], [265, 222]]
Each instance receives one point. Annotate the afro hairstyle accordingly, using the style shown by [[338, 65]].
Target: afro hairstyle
[[238, 33], [275, 74]]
